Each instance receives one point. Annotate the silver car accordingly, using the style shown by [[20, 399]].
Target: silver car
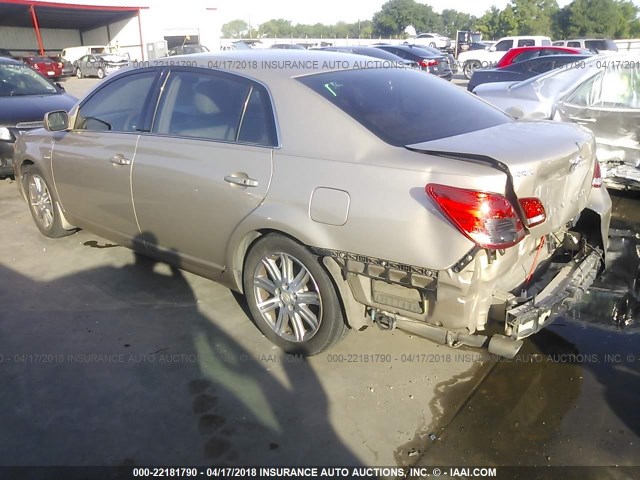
[[602, 93], [99, 65], [335, 197]]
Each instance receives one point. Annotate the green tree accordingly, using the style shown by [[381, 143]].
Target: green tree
[[507, 23], [234, 29], [454, 20], [597, 18], [489, 23], [276, 28], [534, 17], [395, 16]]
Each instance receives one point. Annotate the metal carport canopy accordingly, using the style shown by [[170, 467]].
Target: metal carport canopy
[[43, 14]]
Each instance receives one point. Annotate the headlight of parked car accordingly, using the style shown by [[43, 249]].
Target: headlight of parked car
[[5, 134]]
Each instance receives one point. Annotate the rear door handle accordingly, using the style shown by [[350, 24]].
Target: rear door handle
[[583, 120], [119, 159], [241, 179]]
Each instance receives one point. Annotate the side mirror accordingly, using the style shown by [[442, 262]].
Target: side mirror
[[56, 121], [59, 85], [492, 48]]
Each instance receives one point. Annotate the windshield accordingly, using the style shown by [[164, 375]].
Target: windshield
[[404, 106], [16, 80], [194, 49]]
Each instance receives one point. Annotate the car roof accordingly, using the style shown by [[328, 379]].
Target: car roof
[[544, 47], [284, 63], [9, 61], [512, 37]]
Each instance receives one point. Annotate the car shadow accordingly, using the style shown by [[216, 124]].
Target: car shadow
[[119, 366]]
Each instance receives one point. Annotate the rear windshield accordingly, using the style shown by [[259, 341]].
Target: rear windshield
[[405, 106]]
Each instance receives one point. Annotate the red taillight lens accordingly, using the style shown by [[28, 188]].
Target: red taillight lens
[[488, 219], [429, 63], [533, 210], [597, 176]]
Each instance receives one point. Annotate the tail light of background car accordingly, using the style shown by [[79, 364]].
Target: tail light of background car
[[429, 63], [487, 219], [533, 210], [597, 176]]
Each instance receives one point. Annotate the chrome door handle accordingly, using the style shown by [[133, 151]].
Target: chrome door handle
[[241, 179], [583, 120], [119, 159]]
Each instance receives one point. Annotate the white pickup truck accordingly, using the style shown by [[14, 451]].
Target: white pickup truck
[[473, 59]]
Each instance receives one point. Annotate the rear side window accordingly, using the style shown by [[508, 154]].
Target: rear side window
[[215, 107], [573, 44], [526, 42], [545, 43], [403, 106]]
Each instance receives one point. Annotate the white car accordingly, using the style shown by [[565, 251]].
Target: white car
[[433, 40], [474, 59]]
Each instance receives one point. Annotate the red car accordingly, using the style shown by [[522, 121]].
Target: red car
[[520, 54], [44, 66]]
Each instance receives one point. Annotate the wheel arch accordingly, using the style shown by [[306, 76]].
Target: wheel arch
[[352, 311]]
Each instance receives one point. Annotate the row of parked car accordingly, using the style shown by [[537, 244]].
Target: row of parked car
[[98, 64]]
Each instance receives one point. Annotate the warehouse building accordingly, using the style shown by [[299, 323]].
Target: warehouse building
[[144, 29]]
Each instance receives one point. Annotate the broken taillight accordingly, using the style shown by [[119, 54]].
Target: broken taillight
[[488, 219], [597, 176], [533, 210]]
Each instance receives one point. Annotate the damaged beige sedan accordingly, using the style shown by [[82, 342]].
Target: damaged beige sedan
[[333, 196]]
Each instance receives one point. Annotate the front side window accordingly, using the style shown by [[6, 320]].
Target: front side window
[[219, 107], [526, 55], [403, 106], [118, 106], [574, 44], [504, 45]]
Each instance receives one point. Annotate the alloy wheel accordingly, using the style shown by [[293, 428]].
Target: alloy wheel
[[40, 201], [287, 297]]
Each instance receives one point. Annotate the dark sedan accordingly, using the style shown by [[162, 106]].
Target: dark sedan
[[372, 52], [517, 72], [453, 65], [24, 99], [435, 64]]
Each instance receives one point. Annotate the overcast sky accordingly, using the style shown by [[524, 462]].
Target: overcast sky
[[333, 11]]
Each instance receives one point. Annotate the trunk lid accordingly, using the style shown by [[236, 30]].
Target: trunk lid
[[550, 161]]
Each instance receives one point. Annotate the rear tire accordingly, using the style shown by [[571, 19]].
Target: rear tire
[[291, 297], [79, 73], [42, 204], [432, 45], [470, 67], [100, 73]]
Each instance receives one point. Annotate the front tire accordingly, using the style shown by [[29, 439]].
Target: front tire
[[470, 67], [291, 297], [100, 73], [432, 45], [42, 205], [79, 73]]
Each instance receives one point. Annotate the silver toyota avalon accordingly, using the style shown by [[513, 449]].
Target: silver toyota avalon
[[334, 192]]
